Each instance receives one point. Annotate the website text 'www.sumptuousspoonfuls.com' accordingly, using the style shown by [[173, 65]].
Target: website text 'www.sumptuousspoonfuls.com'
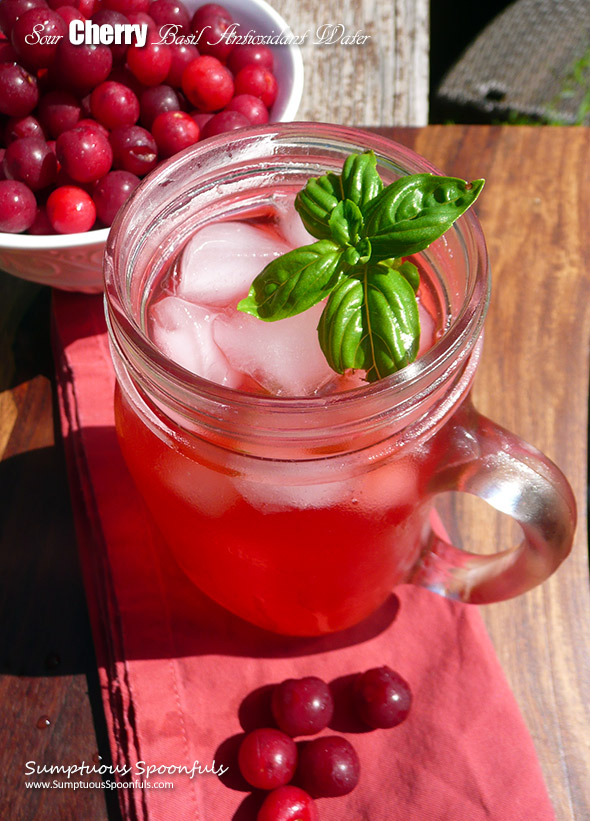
[[56, 784]]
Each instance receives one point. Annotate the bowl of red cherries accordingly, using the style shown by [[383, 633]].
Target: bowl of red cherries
[[95, 93]]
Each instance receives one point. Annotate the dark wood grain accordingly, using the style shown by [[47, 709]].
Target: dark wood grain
[[533, 379], [48, 680]]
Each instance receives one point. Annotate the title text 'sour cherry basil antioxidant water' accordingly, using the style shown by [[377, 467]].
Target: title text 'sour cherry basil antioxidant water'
[[296, 497]]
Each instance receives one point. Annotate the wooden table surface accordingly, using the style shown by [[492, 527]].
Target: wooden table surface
[[533, 379]]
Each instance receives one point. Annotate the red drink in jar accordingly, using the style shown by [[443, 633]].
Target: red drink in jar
[[294, 497]]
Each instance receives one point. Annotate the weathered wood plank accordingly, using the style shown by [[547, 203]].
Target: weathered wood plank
[[383, 81]]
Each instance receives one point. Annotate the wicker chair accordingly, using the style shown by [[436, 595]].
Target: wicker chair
[[532, 61]]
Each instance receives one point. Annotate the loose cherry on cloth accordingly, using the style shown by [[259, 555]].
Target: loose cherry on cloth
[[175, 668]]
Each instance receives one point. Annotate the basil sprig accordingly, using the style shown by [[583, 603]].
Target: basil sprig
[[370, 320]]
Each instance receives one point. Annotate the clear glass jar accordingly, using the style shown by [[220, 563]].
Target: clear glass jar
[[301, 515]]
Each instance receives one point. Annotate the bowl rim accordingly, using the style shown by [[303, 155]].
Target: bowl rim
[[50, 242]]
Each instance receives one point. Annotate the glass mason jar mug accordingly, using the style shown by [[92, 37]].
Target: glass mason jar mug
[[302, 514]]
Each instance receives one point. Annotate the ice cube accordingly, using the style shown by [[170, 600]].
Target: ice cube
[[203, 489], [427, 329], [393, 485], [284, 357], [184, 332], [274, 498], [221, 260], [290, 225]]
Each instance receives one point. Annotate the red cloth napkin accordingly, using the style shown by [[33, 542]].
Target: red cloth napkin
[[182, 679]]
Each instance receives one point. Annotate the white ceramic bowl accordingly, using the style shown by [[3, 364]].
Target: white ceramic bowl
[[73, 262]]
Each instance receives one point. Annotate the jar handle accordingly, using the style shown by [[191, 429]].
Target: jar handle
[[488, 461]]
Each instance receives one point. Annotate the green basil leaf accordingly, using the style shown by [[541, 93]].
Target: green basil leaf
[[407, 269], [410, 272], [363, 248], [316, 201], [359, 182], [294, 282], [371, 323], [346, 222], [360, 179], [414, 211]]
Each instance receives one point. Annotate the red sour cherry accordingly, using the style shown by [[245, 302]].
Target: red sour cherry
[[84, 153], [112, 18], [302, 706], [156, 100], [251, 107], [81, 68], [17, 206], [267, 758], [182, 55], [149, 63], [70, 210], [110, 193], [30, 160], [114, 104], [259, 82], [11, 10], [171, 13], [18, 127], [207, 83], [41, 224], [328, 766], [127, 6], [173, 131], [288, 803], [19, 93], [224, 121], [246, 54], [37, 54], [58, 111], [209, 24], [69, 13], [134, 149], [382, 697]]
